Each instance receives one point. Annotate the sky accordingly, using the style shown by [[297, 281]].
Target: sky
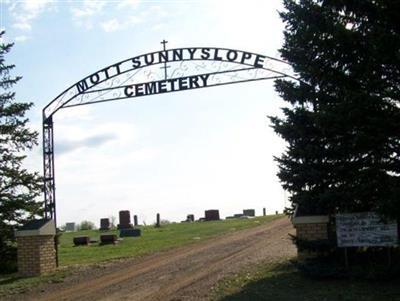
[[173, 154]]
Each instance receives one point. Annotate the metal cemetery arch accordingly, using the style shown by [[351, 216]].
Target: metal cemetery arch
[[191, 68]]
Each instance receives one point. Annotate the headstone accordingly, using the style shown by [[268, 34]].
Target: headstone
[[125, 220], [70, 227], [212, 215], [249, 212], [158, 222], [108, 239], [276, 212], [129, 232], [264, 212], [105, 224], [135, 220], [81, 240], [190, 218]]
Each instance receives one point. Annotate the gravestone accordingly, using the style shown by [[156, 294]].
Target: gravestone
[[108, 239], [124, 220], [70, 227], [158, 222], [190, 218], [81, 240], [249, 212], [264, 212], [135, 220], [211, 215], [105, 224], [129, 232]]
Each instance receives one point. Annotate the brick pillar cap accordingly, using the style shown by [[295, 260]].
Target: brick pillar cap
[[37, 227]]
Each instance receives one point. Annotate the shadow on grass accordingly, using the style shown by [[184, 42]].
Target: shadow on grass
[[284, 283], [8, 279], [13, 284]]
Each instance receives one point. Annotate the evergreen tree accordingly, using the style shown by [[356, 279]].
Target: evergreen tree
[[342, 125], [18, 187]]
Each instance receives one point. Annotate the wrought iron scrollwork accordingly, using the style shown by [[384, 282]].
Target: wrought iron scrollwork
[[126, 74]]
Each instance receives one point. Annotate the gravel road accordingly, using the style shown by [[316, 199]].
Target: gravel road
[[186, 273]]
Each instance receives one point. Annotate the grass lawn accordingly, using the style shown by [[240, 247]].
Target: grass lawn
[[152, 240], [282, 282]]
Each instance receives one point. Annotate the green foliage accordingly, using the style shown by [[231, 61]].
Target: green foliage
[[18, 187], [342, 124], [86, 225], [164, 222]]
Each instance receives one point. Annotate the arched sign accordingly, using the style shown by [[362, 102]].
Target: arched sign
[[164, 71]]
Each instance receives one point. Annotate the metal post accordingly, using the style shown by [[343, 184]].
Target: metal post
[[48, 168], [346, 259], [164, 42], [48, 173]]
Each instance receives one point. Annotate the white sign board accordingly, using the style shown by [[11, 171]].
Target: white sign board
[[364, 230]]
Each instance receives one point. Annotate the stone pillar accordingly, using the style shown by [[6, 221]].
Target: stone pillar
[[315, 231], [36, 252], [310, 228], [264, 212], [135, 220]]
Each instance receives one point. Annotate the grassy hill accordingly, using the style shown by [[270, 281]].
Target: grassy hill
[[152, 239]]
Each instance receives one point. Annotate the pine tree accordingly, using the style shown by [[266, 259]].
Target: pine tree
[[342, 124], [18, 187]]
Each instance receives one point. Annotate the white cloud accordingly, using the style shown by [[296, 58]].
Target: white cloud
[[158, 27], [24, 25], [128, 3], [25, 12], [155, 9], [74, 114], [135, 20], [85, 12], [21, 38], [114, 25], [88, 8], [257, 23], [111, 25]]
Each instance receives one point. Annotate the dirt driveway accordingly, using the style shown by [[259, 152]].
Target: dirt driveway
[[187, 273]]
